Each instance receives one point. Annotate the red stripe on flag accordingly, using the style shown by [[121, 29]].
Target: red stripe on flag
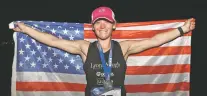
[[129, 34], [167, 87], [55, 86], [162, 69], [49, 86]]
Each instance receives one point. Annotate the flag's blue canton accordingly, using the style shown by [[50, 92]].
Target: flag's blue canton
[[34, 56]]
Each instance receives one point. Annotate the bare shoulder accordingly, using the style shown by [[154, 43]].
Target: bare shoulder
[[84, 45], [128, 47]]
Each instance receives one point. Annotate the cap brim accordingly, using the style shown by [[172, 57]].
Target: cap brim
[[103, 18]]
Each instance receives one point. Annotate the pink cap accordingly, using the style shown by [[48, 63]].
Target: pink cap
[[103, 12]]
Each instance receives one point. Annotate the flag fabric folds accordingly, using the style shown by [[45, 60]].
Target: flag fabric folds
[[42, 70]]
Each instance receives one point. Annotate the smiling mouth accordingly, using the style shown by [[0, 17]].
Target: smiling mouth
[[103, 31]]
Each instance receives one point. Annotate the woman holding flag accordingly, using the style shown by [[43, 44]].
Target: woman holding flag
[[105, 56]]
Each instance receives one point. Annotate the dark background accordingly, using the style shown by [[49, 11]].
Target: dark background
[[125, 11]]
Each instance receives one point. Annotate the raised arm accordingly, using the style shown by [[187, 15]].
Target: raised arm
[[74, 47], [135, 46]]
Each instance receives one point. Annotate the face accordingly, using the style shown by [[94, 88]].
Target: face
[[103, 29]]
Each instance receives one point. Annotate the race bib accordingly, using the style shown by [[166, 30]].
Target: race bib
[[100, 91]]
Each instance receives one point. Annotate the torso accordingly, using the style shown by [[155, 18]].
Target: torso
[[94, 71]]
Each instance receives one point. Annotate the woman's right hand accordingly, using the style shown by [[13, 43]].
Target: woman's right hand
[[20, 27]]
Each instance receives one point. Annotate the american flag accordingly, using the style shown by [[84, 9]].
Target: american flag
[[41, 70]]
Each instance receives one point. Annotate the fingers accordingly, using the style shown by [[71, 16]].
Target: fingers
[[17, 29], [17, 26], [192, 20], [192, 27]]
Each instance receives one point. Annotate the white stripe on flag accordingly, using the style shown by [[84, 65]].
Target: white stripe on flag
[[50, 77], [49, 93], [70, 93], [158, 60], [13, 80], [157, 78], [74, 78]]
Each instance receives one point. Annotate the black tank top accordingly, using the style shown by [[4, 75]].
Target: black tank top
[[94, 70]]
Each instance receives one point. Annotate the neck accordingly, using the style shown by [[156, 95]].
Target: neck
[[105, 44]]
